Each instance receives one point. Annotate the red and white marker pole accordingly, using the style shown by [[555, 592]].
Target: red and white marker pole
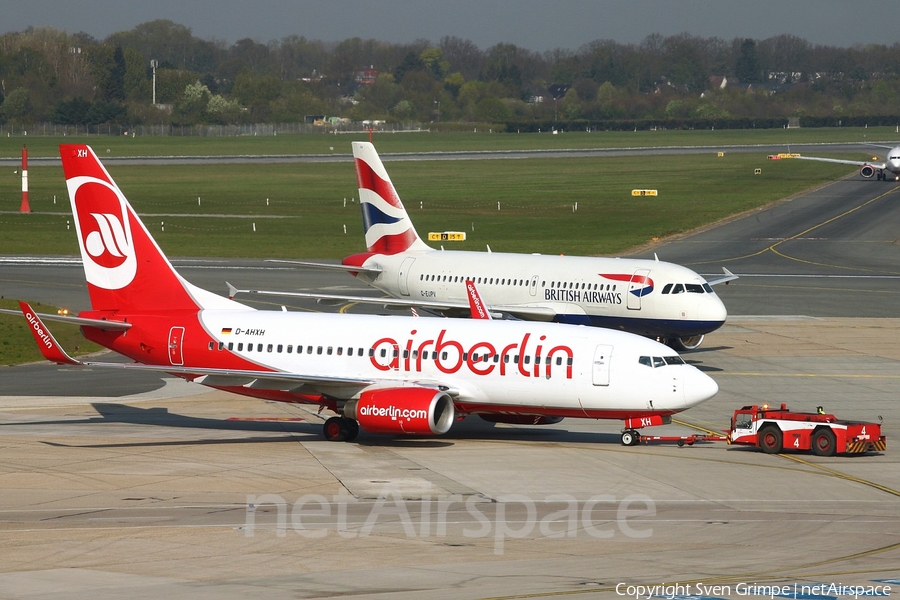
[[25, 208]]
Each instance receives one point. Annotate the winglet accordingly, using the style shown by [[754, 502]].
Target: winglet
[[232, 291], [476, 304], [47, 344], [729, 276]]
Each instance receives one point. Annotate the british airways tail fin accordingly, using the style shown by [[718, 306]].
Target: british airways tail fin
[[389, 229], [125, 269]]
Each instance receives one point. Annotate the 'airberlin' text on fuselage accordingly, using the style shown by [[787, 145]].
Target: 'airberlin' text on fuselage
[[482, 358]]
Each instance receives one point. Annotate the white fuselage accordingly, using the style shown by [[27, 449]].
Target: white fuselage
[[647, 297], [584, 372]]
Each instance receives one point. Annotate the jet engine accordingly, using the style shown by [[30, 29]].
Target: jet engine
[[407, 410], [867, 171]]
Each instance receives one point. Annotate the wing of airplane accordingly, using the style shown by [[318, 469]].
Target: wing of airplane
[[530, 313], [270, 380], [329, 266], [858, 163], [728, 276], [98, 323]]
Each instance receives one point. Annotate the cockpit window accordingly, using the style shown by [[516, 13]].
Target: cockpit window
[[678, 289], [708, 288], [660, 361], [667, 288], [694, 288]]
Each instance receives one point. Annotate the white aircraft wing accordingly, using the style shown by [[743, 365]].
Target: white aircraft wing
[[728, 276], [858, 163], [98, 323], [340, 387], [329, 266], [528, 313]]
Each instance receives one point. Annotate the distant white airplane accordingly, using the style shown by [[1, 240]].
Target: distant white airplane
[[652, 298], [888, 170], [394, 375]]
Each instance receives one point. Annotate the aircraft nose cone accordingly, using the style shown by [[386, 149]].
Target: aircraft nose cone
[[698, 387], [712, 310]]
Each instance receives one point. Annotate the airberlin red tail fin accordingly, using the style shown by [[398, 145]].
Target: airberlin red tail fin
[[125, 269]]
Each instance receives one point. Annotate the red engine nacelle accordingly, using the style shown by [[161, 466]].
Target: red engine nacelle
[[408, 410], [867, 171]]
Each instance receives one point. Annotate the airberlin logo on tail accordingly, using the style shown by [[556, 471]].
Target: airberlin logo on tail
[[101, 217]]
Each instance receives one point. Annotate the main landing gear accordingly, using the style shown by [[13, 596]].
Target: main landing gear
[[340, 429]]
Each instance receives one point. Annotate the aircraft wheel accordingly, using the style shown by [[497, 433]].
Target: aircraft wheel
[[352, 429], [823, 442], [630, 437], [770, 439], [335, 429]]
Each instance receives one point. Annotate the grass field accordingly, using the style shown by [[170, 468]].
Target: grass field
[[305, 215], [323, 143]]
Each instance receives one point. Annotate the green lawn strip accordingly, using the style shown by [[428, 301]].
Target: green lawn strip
[[17, 345], [536, 199], [324, 143]]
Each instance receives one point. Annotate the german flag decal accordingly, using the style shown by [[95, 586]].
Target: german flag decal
[[226, 330]]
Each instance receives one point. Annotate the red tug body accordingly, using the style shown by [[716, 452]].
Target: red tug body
[[778, 429]]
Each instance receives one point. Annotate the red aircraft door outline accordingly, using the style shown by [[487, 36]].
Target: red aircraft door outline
[[176, 337]]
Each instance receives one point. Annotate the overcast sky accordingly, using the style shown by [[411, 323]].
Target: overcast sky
[[534, 24]]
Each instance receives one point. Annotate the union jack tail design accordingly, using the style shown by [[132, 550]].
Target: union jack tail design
[[124, 268], [389, 229]]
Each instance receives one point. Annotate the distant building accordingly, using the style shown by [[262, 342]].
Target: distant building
[[366, 76]]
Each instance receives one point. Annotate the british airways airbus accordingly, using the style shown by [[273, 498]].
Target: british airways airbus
[[656, 299], [386, 374], [889, 170]]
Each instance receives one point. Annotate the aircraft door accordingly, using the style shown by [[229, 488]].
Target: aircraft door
[[602, 357], [532, 289], [176, 338], [636, 288], [404, 275]]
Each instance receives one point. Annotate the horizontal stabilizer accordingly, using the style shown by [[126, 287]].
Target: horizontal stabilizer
[[47, 344], [329, 266]]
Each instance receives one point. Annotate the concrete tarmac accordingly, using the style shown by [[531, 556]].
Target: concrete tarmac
[[115, 486], [181, 492]]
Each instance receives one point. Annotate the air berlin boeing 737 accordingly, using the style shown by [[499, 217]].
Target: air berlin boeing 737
[[648, 297], [386, 374]]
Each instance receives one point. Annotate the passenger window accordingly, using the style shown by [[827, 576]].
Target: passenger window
[[249, 347], [667, 288], [340, 351], [569, 361], [319, 350], [290, 348], [230, 346], [645, 360], [212, 345], [221, 345], [558, 360], [309, 350], [279, 349], [443, 356], [269, 348], [527, 359], [361, 351]]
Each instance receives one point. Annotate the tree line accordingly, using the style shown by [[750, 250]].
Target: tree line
[[49, 75]]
